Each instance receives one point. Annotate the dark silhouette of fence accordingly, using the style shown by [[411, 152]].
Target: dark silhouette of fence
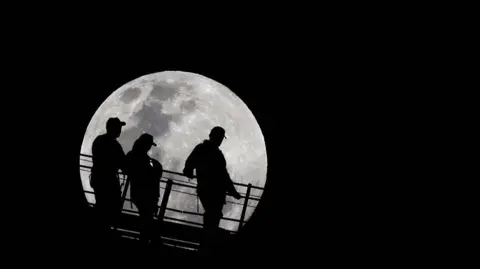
[[174, 234]]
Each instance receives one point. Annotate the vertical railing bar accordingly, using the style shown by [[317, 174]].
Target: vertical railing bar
[[166, 196], [124, 194], [244, 209]]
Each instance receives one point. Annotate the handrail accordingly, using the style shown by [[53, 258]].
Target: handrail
[[185, 185], [194, 194], [198, 214], [175, 173], [184, 221]]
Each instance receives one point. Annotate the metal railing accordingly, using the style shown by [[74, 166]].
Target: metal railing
[[168, 189]]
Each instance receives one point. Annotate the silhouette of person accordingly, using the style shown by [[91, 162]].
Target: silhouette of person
[[213, 182], [108, 157], [144, 174]]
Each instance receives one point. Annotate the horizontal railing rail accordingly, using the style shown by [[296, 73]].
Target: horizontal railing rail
[[173, 172]]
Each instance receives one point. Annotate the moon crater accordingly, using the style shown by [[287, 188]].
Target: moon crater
[[130, 95]]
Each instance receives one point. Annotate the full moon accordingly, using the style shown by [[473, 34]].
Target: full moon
[[179, 109]]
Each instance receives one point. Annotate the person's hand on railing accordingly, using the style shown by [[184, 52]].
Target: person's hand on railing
[[156, 164], [236, 195], [188, 173]]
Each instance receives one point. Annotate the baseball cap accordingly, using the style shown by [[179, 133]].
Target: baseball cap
[[218, 131], [148, 138], [115, 122]]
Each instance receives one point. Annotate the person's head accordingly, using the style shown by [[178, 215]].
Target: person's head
[[144, 143], [114, 127], [217, 134]]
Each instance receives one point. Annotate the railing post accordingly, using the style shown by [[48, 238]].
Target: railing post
[[166, 196], [124, 194], [245, 204]]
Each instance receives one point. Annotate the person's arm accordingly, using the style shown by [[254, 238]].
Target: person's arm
[[157, 169], [157, 175], [122, 159], [95, 154], [126, 164], [191, 163], [230, 186], [101, 157]]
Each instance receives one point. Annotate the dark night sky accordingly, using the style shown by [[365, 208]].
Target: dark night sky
[[322, 113]]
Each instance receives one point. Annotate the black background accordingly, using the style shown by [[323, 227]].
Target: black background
[[326, 112], [356, 105]]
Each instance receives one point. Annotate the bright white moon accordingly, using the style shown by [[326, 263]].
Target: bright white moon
[[179, 109]]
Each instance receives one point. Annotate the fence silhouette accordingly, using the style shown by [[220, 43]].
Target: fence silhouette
[[168, 183]]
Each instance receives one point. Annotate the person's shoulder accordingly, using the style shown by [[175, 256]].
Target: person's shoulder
[[220, 152], [99, 139], [200, 146], [131, 155], [115, 141]]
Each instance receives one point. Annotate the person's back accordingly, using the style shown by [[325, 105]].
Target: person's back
[[210, 166], [107, 158]]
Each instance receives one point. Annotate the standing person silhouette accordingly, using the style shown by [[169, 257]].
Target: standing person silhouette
[[213, 182], [145, 173], [108, 157]]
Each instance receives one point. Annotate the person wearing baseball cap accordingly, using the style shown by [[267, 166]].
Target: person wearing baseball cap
[[213, 182], [217, 134], [147, 139], [144, 174], [114, 123], [108, 157]]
